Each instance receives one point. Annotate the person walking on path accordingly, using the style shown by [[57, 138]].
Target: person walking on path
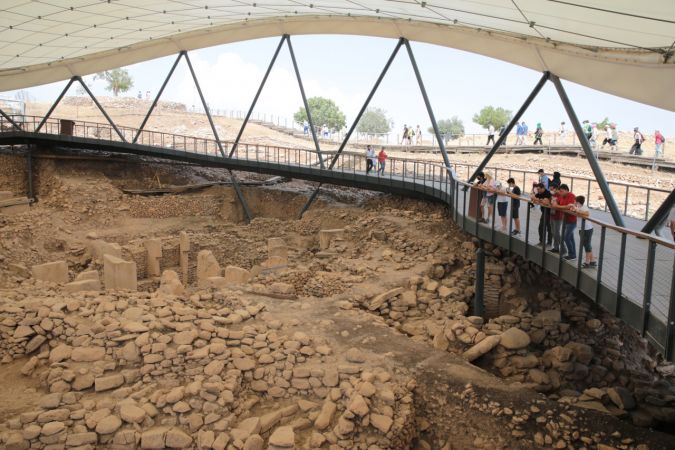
[[587, 129], [370, 157], [519, 133], [608, 137], [566, 201], [515, 205], [418, 136], [615, 137], [405, 134], [491, 135], [562, 133], [658, 144], [382, 160], [543, 199], [524, 134], [556, 222], [639, 139], [585, 232], [538, 133], [594, 136]]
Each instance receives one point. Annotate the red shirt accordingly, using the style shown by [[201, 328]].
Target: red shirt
[[556, 213], [381, 156], [568, 199]]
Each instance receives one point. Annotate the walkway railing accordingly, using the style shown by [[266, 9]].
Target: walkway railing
[[634, 274]]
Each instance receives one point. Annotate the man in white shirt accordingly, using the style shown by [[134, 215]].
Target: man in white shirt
[[585, 232], [491, 135]]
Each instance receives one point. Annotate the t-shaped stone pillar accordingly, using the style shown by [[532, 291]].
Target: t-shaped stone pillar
[[184, 256], [207, 267], [154, 249], [119, 274]]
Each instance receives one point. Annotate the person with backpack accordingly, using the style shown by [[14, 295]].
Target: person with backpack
[[658, 142], [639, 139], [538, 133]]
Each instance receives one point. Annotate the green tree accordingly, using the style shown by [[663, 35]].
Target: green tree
[[603, 124], [324, 112], [498, 117], [451, 128], [374, 121], [118, 80]]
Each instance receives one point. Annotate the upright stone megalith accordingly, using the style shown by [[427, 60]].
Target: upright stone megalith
[[184, 256], [55, 272], [326, 237], [154, 249], [207, 267], [119, 274]]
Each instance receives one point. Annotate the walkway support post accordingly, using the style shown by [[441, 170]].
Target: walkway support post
[[55, 104], [159, 94], [661, 214], [235, 183], [257, 95], [100, 108], [479, 285], [10, 120], [430, 111], [502, 138], [304, 101], [336, 157], [590, 156]]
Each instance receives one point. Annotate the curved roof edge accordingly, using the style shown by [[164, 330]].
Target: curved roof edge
[[633, 74]]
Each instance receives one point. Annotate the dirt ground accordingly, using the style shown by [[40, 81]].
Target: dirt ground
[[350, 328]]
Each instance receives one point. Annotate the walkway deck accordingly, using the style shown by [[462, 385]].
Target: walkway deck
[[650, 313]]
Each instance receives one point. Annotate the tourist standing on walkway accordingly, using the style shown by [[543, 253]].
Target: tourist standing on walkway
[[524, 131], [305, 127], [639, 139], [543, 199], [480, 181], [563, 133], [502, 205], [370, 156], [491, 135], [538, 133], [411, 133], [658, 142], [490, 197], [519, 133], [585, 232], [555, 181], [586, 126], [405, 134], [566, 200], [556, 221], [594, 136], [382, 160], [418, 136], [515, 205], [543, 179]]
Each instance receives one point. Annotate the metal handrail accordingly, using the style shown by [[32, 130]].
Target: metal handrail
[[435, 180]]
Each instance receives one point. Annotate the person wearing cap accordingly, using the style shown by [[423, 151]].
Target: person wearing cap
[[538, 133]]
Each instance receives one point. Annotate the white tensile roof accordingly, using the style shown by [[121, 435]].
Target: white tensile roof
[[624, 47]]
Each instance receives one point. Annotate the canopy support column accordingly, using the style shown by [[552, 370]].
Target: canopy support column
[[100, 107], [502, 138], [586, 146], [257, 95], [10, 120], [55, 104], [235, 183], [356, 122], [661, 214]]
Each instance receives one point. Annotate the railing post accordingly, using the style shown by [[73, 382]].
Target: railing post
[[479, 286], [647, 293]]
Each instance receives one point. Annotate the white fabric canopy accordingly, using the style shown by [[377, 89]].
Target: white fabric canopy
[[623, 47]]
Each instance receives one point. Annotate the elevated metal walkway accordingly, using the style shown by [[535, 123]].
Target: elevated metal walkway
[[633, 280]]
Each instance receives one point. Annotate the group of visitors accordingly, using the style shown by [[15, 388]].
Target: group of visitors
[[410, 133], [321, 131], [374, 160], [590, 130], [560, 212]]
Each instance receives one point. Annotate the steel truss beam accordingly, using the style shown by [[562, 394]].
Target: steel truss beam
[[661, 214], [355, 122], [502, 138], [235, 183], [586, 146], [159, 94], [91, 95], [304, 101], [257, 95], [9, 118]]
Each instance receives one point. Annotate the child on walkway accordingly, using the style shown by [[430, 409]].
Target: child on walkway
[[585, 233]]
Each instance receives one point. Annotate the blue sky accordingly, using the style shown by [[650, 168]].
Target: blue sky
[[345, 67]]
